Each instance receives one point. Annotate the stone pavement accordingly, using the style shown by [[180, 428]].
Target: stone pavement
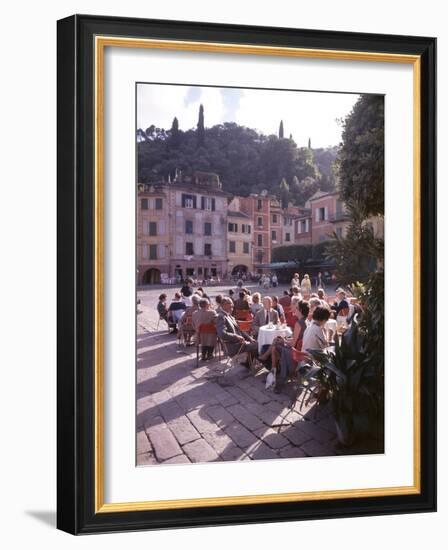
[[188, 414]]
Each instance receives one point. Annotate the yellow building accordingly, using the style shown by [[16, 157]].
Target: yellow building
[[153, 235], [239, 240]]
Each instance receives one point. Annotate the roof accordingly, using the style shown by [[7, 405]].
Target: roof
[[237, 214], [321, 194]]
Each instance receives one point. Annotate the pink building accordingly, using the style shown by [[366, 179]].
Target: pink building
[[328, 215]]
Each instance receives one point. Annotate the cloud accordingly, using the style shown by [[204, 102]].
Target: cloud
[[231, 98], [193, 95]]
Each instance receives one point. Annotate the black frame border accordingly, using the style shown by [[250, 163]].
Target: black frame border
[[76, 263]]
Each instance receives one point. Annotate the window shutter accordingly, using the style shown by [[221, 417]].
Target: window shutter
[[161, 227], [183, 200], [194, 201], [213, 204], [161, 250], [299, 227], [307, 226], [317, 214], [326, 213], [202, 203]]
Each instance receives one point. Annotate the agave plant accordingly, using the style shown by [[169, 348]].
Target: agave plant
[[348, 379]]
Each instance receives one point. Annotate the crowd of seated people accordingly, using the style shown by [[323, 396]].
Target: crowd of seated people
[[236, 323]]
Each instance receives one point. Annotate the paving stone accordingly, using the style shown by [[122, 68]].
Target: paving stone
[[240, 435], [183, 430], [296, 436], [261, 451], [243, 415], [272, 438], [315, 431], [226, 399], [201, 421], [220, 415], [239, 394], [163, 442], [314, 448], [146, 459], [200, 451], [256, 394], [224, 445], [179, 459], [143, 445], [171, 410], [292, 452]]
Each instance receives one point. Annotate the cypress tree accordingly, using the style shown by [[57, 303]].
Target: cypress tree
[[280, 130], [201, 130]]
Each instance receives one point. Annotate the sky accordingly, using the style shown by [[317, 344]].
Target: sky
[[305, 115]]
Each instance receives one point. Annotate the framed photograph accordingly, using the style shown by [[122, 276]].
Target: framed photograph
[[246, 274]]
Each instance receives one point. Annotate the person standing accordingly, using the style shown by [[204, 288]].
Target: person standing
[[305, 286]]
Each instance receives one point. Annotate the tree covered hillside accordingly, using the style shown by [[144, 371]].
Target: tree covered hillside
[[245, 160]]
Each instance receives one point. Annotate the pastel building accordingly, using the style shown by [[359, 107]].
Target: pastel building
[[257, 207], [190, 235], [328, 215], [153, 235], [239, 239]]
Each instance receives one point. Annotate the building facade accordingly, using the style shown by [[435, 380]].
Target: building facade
[[328, 215], [239, 239], [153, 234], [257, 207], [190, 239]]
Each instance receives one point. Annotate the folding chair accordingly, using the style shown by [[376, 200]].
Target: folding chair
[[243, 315], [233, 360], [245, 326]]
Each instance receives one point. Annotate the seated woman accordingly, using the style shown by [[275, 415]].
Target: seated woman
[[162, 310], [175, 311], [256, 305], [313, 338], [280, 351], [185, 324]]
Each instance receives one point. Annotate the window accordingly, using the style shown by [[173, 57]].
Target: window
[[249, 229], [159, 204], [260, 221], [274, 235], [207, 228], [303, 226], [260, 240], [188, 227], [259, 204], [153, 252], [274, 218], [321, 214], [208, 203], [152, 229], [287, 237], [144, 204], [245, 248], [207, 249], [245, 228], [232, 246], [188, 201], [233, 227], [189, 251]]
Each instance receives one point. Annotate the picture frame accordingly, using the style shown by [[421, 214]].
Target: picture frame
[[82, 40]]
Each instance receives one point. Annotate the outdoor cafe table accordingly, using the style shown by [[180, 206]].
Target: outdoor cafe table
[[266, 335]]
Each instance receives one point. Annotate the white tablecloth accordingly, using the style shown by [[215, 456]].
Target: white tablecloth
[[266, 335]]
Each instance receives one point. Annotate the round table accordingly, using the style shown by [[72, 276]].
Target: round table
[[266, 335]]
